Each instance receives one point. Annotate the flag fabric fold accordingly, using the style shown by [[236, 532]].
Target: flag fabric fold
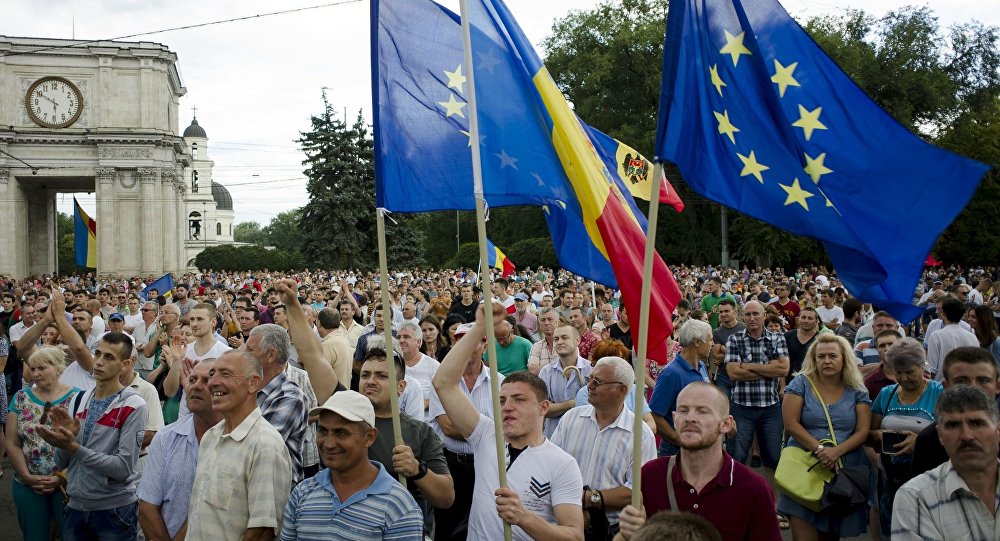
[[499, 260], [164, 285], [759, 119], [535, 151], [84, 237]]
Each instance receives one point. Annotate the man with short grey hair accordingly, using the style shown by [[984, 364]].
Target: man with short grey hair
[[283, 403], [599, 437], [688, 366], [956, 500], [243, 477], [418, 365]]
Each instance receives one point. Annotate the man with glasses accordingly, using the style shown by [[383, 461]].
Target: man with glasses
[[163, 329], [599, 437]]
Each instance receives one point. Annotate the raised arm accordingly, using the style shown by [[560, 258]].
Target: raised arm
[[321, 375], [30, 337], [460, 410], [69, 335]]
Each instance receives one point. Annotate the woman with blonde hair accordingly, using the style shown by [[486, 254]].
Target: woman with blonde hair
[[36, 487], [830, 381]]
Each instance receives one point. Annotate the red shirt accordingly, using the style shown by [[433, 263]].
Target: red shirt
[[738, 502]]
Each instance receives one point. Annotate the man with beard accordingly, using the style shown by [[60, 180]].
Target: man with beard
[[706, 481]]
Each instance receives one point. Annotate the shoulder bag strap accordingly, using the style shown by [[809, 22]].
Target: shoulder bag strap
[[670, 483], [829, 423]]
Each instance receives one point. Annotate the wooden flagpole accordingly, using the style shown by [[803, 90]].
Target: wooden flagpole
[[390, 352], [639, 362], [485, 278]]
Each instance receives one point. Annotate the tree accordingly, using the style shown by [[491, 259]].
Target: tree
[[283, 232], [338, 223], [247, 258], [249, 232], [66, 254]]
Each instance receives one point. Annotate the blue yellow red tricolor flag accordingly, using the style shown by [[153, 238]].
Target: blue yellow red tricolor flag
[[499, 260], [84, 237], [758, 118], [535, 151]]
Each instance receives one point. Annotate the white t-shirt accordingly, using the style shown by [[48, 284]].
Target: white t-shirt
[[829, 314], [218, 348], [543, 476], [424, 371], [76, 376]]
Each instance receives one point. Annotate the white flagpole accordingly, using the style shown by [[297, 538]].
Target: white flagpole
[[485, 279]]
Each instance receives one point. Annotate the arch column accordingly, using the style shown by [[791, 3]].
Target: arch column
[[151, 254], [107, 235], [168, 218]]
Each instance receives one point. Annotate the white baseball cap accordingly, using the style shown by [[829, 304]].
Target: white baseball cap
[[350, 405]]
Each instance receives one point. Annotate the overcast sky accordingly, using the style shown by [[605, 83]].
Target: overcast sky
[[257, 82]]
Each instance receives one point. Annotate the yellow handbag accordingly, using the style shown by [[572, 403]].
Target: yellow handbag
[[799, 474]]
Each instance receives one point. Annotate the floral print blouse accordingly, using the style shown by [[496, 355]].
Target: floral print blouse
[[39, 455]]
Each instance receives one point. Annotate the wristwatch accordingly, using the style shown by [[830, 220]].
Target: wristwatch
[[596, 497], [421, 472], [819, 448]]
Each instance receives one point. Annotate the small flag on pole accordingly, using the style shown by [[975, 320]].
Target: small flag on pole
[[165, 286], [499, 260]]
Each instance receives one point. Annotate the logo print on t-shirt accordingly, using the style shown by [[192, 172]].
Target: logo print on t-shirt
[[539, 489]]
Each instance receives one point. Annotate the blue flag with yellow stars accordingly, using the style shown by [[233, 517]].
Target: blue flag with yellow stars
[[423, 160], [759, 119]]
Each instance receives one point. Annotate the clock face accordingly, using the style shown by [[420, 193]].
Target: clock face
[[53, 102]]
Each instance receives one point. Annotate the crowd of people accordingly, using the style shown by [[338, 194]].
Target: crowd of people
[[259, 405]]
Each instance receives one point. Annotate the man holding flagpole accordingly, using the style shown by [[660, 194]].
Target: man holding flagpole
[[543, 498]]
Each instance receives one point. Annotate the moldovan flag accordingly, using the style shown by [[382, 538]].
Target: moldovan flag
[[85, 237], [499, 260]]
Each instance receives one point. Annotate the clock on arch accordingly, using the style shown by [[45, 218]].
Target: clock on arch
[[53, 102]]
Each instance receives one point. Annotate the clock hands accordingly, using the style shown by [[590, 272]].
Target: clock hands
[[54, 102]]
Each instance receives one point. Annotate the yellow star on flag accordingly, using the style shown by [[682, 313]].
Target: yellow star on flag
[[734, 47], [796, 194], [752, 167], [716, 80], [815, 167], [469, 135], [809, 120], [783, 76], [725, 126], [455, 78], [453, 106]]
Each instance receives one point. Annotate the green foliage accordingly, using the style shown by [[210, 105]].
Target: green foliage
[[283, 231], [247, 258], [66, 254], [250, 232], [466, 257], [337, 225], [533, 253]]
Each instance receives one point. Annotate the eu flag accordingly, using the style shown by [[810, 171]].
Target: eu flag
[[758, 118], [164, 285], [534, 148]]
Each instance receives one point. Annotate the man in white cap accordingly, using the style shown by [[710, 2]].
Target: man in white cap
[[353, 494]]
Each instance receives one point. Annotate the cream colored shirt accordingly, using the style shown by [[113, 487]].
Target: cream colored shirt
[[242, 481], [338, 352]]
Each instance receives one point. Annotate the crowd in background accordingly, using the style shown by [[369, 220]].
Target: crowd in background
[[113, 388]]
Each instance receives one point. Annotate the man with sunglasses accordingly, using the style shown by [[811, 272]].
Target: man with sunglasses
[[599, 437]]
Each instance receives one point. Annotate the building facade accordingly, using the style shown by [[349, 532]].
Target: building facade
[[98, 117]]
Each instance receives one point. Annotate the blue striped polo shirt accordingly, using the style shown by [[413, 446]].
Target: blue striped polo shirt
[[384, 510]]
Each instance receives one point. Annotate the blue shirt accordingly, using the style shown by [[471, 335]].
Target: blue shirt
[[168, 475], [677, 375], [384, 510]]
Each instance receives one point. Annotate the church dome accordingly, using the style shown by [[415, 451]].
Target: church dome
[[194, 130], [223, 201]]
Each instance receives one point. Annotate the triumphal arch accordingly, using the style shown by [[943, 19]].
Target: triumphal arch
[[97, 117]]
